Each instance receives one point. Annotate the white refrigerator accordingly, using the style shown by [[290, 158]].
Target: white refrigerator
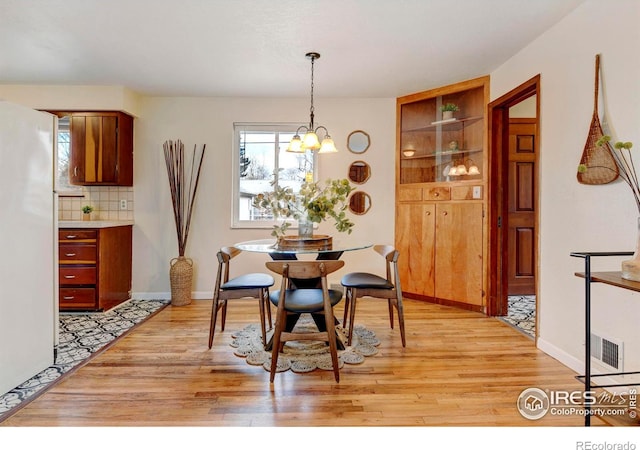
[[28, 241]]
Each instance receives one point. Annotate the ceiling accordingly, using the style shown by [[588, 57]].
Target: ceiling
[[256, 48]]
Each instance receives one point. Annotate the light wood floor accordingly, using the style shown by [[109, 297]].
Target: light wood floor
[[459, 368]]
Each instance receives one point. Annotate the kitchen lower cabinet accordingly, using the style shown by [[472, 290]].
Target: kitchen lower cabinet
[[94, 267]]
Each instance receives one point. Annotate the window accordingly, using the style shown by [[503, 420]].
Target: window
[[260, 158], [63, 186]]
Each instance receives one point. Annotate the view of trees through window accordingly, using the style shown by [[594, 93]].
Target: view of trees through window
[[263, 163]]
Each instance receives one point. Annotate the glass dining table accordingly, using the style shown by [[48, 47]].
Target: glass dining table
[[329, 252]]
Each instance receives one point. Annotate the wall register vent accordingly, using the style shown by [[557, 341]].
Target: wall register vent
[[607, 351]]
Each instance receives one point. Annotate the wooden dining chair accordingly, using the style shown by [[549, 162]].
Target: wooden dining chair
[[363, 284], [248, 285], [292, 301]]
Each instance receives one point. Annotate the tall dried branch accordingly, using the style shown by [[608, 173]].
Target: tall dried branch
[[183, 186]]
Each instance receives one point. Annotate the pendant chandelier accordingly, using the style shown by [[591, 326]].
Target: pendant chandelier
[[310, 140]]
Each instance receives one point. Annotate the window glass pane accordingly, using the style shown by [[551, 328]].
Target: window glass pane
[[261, 151]]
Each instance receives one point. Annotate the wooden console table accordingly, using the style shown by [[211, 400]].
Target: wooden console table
[[610, 278]]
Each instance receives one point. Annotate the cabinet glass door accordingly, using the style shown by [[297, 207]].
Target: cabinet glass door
[[435, 147]]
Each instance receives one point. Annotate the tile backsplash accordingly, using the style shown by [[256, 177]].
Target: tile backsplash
[[105, 201]]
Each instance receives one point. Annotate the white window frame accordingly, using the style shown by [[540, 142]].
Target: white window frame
[[238, 128]]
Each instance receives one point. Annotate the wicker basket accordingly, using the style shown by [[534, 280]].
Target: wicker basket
[[181, 276]]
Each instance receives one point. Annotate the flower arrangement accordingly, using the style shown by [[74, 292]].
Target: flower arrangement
[[314, 203], [624, 160]]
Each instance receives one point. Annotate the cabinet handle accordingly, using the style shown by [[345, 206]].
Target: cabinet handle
[[71, 297], [69, 254], [428, 213], [444, 213], [71, 236], [69, 277], [436, 194], [75, 171]]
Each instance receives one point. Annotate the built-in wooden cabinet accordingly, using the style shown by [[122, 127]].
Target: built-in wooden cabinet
[[441, 168], [94, 267], [101, 148]]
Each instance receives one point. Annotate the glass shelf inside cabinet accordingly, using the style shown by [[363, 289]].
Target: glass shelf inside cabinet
[[443, 153], [448, 125]]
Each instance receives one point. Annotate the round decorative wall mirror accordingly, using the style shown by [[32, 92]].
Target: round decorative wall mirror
[[359, 202], [359, 172], [358, 141]]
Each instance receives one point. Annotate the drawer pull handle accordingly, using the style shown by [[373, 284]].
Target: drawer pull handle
[[70, 297], [69, 277], [69, 254], [71, 236]]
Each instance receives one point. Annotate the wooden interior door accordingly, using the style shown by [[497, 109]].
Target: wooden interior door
[[521, 220]]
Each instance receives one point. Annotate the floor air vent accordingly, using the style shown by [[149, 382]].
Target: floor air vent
[[606, 351]]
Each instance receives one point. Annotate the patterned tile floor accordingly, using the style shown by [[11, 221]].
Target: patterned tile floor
[[81, 335], [522, 314]]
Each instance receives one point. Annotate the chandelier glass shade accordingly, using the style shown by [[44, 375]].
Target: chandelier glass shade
[[310, 139]]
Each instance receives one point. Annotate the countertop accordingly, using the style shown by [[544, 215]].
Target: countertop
[[93, 223]]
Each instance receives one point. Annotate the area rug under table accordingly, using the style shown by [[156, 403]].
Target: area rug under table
[[304, 356], [81, 336]]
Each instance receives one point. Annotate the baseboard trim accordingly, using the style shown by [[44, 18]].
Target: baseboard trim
[[577, 365], [196, 295]]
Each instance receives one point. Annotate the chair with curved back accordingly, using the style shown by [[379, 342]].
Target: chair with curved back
[[363, 284], [254, 285], [318, 301]]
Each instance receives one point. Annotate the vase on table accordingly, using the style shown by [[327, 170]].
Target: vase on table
[[305, 227], [631, 267]]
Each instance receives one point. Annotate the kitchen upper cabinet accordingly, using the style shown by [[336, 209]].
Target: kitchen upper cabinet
[[101, 149]]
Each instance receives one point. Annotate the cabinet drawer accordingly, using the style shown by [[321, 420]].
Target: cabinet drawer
[[77, 254], [77, 275], [77, 298], [409, 194], [77, 235], [437, 193]]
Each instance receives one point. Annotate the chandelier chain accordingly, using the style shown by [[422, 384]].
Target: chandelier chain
[[312, 107]]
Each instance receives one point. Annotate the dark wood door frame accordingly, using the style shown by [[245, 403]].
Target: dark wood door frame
[[498, 126]]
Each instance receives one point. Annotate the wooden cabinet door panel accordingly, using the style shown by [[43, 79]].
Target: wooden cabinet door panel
[[77, 129], [101, 149], [415, 225], [458, 263]]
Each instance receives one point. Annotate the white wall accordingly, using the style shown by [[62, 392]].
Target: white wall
[[576, 217], [196, 121]]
